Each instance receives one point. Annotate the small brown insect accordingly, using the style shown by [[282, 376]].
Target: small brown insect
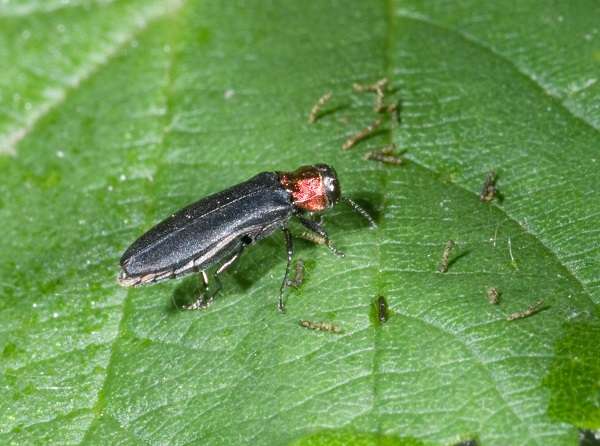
[[386, 155], [320, 326], [378, 88], [314, 112], [298, 275], [534, 308], [375, 86], [320, 240], [488, 191], [379, 99], [443, 266], [357, 137], [493, 295]]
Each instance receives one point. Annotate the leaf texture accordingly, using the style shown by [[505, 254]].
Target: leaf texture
[[113, 114]]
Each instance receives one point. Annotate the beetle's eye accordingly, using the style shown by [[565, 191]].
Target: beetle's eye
[[332, 186]]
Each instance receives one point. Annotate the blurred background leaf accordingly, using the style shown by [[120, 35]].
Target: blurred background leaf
[[115, 113]]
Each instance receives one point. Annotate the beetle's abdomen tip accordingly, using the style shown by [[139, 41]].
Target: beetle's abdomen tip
[[127, 281]]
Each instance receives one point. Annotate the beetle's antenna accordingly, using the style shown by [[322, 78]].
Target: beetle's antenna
[[359, 210]]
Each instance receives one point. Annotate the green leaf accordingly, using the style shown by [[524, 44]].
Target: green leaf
[[115, 114]]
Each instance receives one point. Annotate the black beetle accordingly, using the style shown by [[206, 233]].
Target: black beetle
[[216, 229]]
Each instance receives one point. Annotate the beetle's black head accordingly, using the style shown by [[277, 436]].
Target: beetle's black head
[[330, 182], [313, 188]]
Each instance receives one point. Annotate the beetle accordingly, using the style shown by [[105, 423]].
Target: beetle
[[215, 230]]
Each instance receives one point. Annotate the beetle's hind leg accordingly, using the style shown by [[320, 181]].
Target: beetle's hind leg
[[290, 252], [201, 300], [207, 296]]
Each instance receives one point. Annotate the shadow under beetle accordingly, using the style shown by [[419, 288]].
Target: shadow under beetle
[[215, 230]]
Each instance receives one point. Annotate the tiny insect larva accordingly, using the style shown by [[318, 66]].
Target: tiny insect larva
[[533, 309], [385, 155], [298, 275], [314, 112], [493, 295], [443, 266], [488, 191], [370, 129], [378, 88], [320, 326]]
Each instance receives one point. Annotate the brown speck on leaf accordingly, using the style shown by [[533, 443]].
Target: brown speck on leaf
[[378, 88], [488, 191], [533, 309], [378, 85], [443, 266], [320, 326], [314, 112], [298, 275], [493, 295], [320, 240], [357, 137], [385, 155]]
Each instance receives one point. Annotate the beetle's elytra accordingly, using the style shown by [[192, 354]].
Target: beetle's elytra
[[216, 229]]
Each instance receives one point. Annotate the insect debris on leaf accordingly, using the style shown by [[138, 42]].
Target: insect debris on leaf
[[320, 326], [316, 109], [530, 311], [443, 266]]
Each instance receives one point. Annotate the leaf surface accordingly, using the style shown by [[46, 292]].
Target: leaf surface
[[115, 114]]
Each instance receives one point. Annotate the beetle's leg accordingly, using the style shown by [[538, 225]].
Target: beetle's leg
[[290, 252], [200, 301], [204, 279], [205, 299], [318, 229], [224, 267]]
